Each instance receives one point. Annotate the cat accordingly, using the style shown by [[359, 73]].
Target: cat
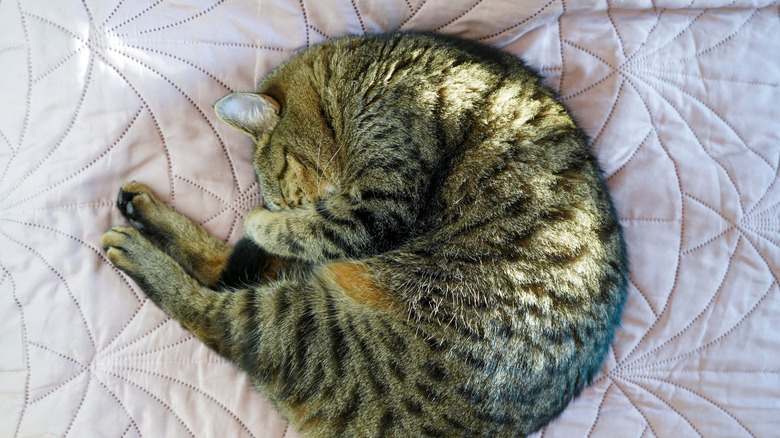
[[437, 253]]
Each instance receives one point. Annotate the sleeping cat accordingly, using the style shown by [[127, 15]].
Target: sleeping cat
[[437, 254]]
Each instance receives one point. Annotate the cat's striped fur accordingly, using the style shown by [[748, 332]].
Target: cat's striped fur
[[437, 254]]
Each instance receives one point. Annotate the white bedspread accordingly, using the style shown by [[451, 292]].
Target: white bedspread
[[682, 100]]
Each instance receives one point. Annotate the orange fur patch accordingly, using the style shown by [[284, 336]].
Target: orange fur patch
[[208, 263], [356, 281], [275, 266]]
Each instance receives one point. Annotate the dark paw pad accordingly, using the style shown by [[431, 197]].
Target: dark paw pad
[[130, 201], [124, 202]]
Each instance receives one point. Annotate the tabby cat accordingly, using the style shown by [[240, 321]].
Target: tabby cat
[[437, 254]]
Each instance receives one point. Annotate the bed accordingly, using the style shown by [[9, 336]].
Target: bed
[[681, 100]]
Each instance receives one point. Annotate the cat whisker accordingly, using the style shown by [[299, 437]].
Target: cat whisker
[[340, 181], [331, 159], [321, 174], [317, 170]]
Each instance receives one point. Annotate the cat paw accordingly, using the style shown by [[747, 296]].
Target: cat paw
[[257, 219], [125, 247], [136, 202]]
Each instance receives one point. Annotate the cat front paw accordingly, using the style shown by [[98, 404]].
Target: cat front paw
[[137, 204], [157, 274], [257, 220], [127, 249]]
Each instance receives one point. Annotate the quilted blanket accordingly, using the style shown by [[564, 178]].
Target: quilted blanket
[[681, 100]]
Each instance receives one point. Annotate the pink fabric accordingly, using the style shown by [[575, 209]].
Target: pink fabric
[[681, 102]]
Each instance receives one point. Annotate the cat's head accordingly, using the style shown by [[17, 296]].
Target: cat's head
[[295, 157]]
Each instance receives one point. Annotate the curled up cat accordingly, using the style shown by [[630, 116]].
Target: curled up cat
[[437, 254]]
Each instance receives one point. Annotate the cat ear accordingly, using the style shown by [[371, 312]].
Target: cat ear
[[249, 112]]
